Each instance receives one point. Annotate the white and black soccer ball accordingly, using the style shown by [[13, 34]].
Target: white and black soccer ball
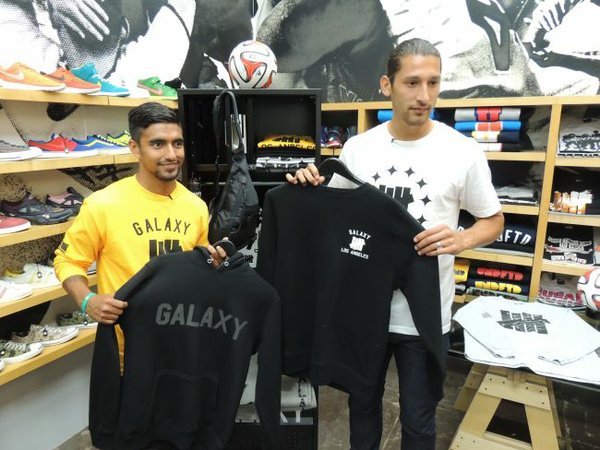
[[252, 64], [588, 289]]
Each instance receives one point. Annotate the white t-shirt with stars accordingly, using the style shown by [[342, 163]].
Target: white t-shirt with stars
[[434, 177]]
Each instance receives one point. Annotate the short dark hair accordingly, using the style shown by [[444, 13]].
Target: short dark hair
[[413, 46], [149, 113]]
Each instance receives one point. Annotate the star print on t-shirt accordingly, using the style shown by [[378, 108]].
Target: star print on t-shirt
[[407, 187]]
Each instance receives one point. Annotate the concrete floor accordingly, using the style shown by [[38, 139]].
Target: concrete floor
[[578, 410]]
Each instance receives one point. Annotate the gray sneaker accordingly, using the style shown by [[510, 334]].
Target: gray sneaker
[[45, 335], [13, 352], [15, 152], [75, 319]]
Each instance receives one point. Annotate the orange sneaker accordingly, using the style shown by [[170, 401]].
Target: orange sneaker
[[21, 76], [73, 84]]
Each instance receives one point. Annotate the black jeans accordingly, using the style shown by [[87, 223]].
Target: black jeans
[[417, 378]]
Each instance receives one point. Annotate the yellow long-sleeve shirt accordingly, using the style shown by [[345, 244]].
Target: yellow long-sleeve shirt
[[124, 225]]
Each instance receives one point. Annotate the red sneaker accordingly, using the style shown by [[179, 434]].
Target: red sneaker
[[12, 224]]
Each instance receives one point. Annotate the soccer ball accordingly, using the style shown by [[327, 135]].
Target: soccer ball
[[252, 64], [588, 288]]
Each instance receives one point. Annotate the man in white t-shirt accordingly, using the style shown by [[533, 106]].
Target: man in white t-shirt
[[434, 171]]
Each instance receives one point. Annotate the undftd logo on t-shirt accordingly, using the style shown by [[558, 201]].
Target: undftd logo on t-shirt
[[358, 241]]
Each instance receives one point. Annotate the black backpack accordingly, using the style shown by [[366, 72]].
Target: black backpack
[[234, 210]]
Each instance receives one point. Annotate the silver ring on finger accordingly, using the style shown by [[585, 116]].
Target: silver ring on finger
[[439, 246]]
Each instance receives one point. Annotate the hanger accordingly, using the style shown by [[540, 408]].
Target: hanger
[[226, 245], [335, 166]]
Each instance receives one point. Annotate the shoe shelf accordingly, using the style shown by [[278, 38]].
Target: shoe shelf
[[78, 99], [38, 297], [48, 355], [36, 165], [34, 232], [492, 256], [574, 219], [566, 268], [132, 101], [527, 210]]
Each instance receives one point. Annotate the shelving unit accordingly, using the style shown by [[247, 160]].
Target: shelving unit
[[85, 337], [364, 115], [48, 355]]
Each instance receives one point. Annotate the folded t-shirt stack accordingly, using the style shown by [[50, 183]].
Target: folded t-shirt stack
[[495, 128], [580, 133], [285, 151], [569, 244], [492, 279], [559, 290], [521, 195]]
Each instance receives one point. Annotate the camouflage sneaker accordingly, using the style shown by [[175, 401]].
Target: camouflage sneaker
[[45, 335], [75, 319], [13, 352]]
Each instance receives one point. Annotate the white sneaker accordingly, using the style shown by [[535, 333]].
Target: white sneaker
[[45, 335], [12, 291], [36, 275], [14, 352]]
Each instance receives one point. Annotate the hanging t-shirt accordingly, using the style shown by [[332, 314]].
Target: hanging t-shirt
[[432, 193]]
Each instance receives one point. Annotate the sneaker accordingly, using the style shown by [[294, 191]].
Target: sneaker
[[323, 136], [61, 147], [335, 137], [75, 319], [70, 199], [13, 224], [30, 208], [156, 88], [99, 144], [11, 291], [35, 275], [16, 152], [20, 76], [45, 335], [73, 84], [14, 352], [88, 73], [122, 139]]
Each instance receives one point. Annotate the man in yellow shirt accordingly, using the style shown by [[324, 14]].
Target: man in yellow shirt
[[134, 219]]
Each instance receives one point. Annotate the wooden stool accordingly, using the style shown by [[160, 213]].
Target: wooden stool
[[480, 396]]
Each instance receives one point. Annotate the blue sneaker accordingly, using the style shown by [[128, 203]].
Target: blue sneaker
[[102, 146], [88, 73]]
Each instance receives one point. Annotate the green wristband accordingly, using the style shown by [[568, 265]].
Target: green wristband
[[85, 301]]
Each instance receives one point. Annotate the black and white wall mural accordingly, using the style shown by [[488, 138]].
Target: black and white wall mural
[[489, 47]]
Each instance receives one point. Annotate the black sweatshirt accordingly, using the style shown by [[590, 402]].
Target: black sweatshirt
[[335, 256], [190, 330]]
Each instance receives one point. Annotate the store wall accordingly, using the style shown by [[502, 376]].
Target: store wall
[[489, 48]]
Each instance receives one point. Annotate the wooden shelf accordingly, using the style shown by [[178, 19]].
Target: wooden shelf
[[574, 219], [577, 162], [566, 268], [22, 95], [38, 297], [527, 210], [35, 232], [49, 354], [534, 156], [125, 159], [331, 151], [132, 101], [35, 165], [497, 257]]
